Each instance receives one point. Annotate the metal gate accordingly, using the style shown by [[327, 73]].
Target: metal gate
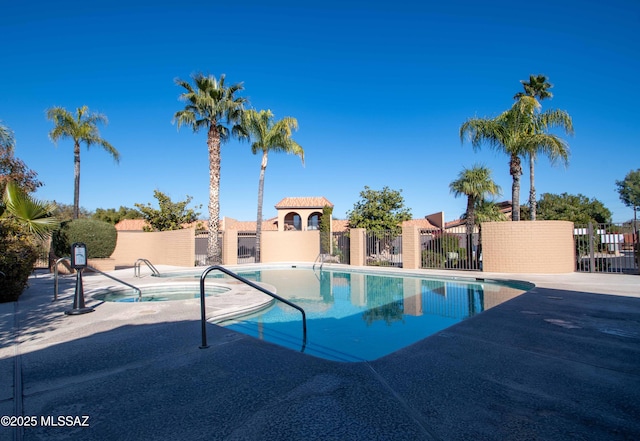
[[607, 248], [246, 247], [450, 249], [341, 248], [384, 248], [202, 237]]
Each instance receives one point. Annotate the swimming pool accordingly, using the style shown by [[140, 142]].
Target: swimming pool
[[357, 315], [157, 293]]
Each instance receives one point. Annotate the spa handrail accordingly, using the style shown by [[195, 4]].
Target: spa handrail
[[55, 279], [203, 318], [321, 257], [136, 267]]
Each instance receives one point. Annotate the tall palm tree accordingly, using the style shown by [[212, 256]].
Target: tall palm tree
[[538, 87], [269, 136], [81, 128], [476, 184], [516, 132], [212, 105]]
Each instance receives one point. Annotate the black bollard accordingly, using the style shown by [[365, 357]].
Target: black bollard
[[78, 299]]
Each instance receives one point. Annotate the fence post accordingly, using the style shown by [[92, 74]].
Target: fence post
[[592, 256], [230, 247], [411, 252], [358, 246]]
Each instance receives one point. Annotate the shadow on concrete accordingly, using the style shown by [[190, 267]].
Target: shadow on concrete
[[548, 364]]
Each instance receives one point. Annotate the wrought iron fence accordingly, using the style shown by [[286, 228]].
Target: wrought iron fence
[[384, 248], [43, 254], [202, 237], [450, 249], [341, 247], [246, 246], [608, 248]]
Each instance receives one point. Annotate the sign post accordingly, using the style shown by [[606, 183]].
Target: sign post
[[79, 262]]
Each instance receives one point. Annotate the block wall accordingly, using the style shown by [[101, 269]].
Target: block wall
[[160, 248], [358, 246], [289, 246], [528, 247], [411, 252]]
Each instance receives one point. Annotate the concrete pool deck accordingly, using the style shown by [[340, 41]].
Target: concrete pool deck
[[561, 361]]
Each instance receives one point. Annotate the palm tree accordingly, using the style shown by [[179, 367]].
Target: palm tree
[[35, 216], [213, 106], [7, 139], [476, 184], [269, 136], [81, 128], [516, 132], [538, 87], [486, 211]]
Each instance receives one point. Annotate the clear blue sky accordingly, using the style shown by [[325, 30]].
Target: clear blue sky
[[379, 89]]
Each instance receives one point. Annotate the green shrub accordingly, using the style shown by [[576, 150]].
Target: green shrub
[[99, 237], [18, 254], [432, 259]]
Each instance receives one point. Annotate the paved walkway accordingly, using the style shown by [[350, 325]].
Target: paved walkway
[[561, 361]]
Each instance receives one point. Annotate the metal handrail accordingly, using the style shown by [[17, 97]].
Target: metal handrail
[[118, 280], [55, 279], [136, 267], [321, 257], [203, 319]]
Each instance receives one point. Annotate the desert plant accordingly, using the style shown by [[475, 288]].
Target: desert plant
[[99, 237], [18, 254]]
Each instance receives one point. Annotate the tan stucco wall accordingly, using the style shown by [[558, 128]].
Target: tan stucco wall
[[160, 248], [358, 249], [288, 246], [230, 247], [528, 247], [411, 252], [304, 214]]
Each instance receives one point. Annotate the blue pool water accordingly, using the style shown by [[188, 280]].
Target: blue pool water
[[355, 316]]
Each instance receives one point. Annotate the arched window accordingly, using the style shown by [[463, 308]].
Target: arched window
[[313, 223], [292, 222]]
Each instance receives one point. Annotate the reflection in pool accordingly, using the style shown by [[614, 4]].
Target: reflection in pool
[[354, 316]]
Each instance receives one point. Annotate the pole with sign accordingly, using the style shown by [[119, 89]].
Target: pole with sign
[[79, 262]]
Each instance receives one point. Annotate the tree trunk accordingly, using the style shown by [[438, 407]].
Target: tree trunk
[[214, 255], [469, 224], [532, 190], [76, 183], [263, 168], [515, 169]]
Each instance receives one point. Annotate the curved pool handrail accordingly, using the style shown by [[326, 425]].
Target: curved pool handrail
[[55, 276], [136, 267], [203, 318], [55, 279]]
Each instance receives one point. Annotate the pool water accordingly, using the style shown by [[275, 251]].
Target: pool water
[[158, 293], [355, 316]]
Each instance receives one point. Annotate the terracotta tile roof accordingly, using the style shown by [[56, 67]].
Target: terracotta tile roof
[[131, 225], [267, 225], [420, 223], [339, 225], [504, 206], [306, 202]]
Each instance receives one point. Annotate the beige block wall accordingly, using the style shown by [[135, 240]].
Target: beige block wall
[[160, 248], [230, 247], [528, 247], [357, 249], [411, 252], [289, 246]]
